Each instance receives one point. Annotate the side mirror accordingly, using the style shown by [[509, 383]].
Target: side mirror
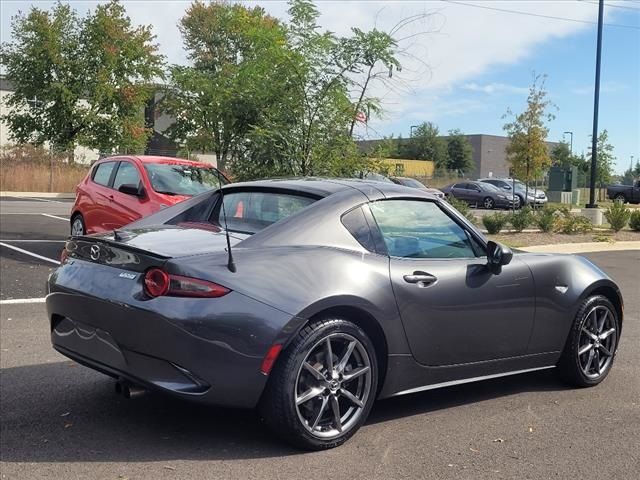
[[507, 187], [131, 189], [498, 255]]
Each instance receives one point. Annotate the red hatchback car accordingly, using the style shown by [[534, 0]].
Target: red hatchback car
[[120, 190]]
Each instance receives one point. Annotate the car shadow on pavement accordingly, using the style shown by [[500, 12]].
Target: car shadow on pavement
[[62, 412]]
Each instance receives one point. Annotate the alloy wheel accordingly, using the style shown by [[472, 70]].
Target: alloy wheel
[[488, 203], [597, 342], [333, 386], [77, 228]]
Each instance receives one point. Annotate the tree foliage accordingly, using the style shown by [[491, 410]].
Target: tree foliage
[[425, 143], [274, 98], [604, 159], [79, 80], [459, 152], [527, 131]]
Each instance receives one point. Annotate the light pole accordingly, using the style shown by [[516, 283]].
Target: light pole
[[596, 100], [570, 144]]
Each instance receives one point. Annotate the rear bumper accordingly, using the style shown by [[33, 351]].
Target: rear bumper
[[207, 350]]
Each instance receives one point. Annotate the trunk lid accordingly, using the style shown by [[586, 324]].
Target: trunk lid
[[140, 249]]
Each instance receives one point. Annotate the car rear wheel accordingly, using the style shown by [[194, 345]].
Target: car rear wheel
[[591, 346], [77, 225], [620, 198], [323, 387], [488, 203]]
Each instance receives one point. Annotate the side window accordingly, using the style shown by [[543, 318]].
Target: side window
[[460, 185], [127, 174], [356, 223], [420, 229], [102, 173]]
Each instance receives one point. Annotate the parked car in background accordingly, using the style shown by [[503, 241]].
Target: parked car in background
[[413, 183], [526, 196], [121, 190], [339, 292], [625, 193], [481, 194]]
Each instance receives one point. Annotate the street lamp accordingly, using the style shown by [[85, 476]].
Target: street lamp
[[571, 144], [596, 101]]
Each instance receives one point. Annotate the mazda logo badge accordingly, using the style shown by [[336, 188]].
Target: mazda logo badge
[[95, 252]]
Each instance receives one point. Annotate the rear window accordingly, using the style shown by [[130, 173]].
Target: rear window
[[179, 179], [250, 212], [102, 173]]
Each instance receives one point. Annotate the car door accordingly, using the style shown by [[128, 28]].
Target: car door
[[636, 192], [453, 307], [459, 191], [126, 208], [98, 215], [475, 193]]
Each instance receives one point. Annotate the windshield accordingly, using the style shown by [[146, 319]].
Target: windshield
[[179, 179], [410, 182]]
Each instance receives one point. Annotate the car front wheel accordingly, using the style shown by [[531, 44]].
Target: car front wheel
[[592, 343], [323, 387]]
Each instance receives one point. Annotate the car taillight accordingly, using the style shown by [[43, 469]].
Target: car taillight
[[156, 282], [159, 283]]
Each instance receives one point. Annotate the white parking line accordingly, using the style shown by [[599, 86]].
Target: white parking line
[[54, 216], [41, 199], [20, 240], [19, 301], [25, 213], [26, 252]]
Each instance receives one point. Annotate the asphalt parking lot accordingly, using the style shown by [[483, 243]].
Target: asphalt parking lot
[[62, 420]]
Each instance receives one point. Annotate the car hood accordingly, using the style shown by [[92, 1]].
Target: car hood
[[170, 200]]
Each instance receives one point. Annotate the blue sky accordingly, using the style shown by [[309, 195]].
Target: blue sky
[[470, 62]]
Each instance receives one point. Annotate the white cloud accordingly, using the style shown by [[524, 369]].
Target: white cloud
[[494, 88]]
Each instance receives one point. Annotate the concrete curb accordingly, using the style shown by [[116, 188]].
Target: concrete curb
[[37, 195], [584, 247]]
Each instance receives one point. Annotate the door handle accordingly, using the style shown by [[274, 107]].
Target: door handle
[[422, 279]]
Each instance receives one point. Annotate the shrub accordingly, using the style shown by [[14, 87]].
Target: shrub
[[462, 207], [494, 222], [571, 224], [634, 220], [521, 219], [617, 215], [546, 219]]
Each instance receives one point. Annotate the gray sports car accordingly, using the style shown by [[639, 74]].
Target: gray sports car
[[311, 298]]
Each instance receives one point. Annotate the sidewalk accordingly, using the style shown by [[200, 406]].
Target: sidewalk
[[37, 195], [584, 247]]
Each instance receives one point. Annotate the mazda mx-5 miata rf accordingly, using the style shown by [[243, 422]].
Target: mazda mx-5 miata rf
[[311, 298]]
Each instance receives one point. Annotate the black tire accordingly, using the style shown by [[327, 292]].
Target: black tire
[[77, 221], [284, 415], [521, 203], [620, 198], [489, 203], [570, 365]]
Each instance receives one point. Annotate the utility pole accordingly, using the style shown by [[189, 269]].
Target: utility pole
[[596, 100]]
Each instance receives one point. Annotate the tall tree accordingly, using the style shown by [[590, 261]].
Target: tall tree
[[527, 150], [425, 143], [605, 159], [239, 73], [460, 152], [79, 80]]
